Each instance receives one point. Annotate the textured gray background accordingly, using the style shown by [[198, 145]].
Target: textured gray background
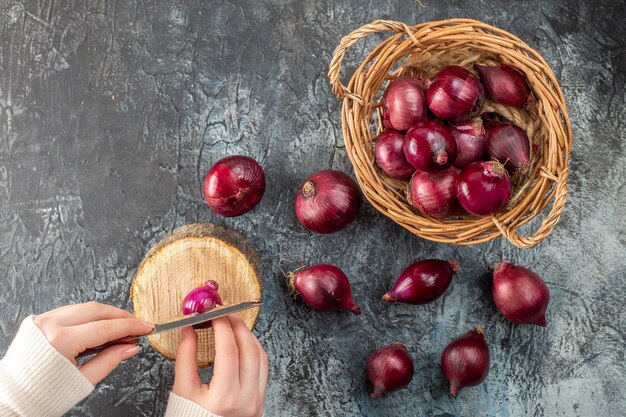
[[112, 111]]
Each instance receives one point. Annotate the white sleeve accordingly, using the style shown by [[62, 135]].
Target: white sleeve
[[36, 380], [181, 407]]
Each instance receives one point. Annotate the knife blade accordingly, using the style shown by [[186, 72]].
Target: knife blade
[[190, 320]]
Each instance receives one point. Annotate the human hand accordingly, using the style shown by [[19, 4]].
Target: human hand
[[240, 371], [74, 328]]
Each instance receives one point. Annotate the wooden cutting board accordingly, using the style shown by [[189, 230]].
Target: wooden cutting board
[[184, 260]]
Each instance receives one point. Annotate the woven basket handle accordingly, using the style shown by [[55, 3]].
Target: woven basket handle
[[334, 71], [561, 180]]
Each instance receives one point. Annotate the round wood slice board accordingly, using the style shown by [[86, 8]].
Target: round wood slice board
[[185, 259]]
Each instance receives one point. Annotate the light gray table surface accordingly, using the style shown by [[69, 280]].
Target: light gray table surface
[[112, 111]]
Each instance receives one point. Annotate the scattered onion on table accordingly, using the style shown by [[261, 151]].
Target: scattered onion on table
[[423, 281], [234, 185], [323, 287], [389, 368], [327, 201], [520, 294], [465, 361], [200, 300]]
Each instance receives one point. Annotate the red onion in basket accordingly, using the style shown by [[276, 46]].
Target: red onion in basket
[[465, 361], [323, 287], [389, 368], [390, 155], [200, 300], [423, 281], [404, 103], [434, 194], [327, 202], [483, 188], [504, 84], [509, 144], [455, 94], [234, 185], [429, 146], [520, 294], [470, 141]]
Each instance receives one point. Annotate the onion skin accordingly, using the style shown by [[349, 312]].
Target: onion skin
[[465, 361], [504, 84], [200, 300], [509, 144], [470, 141], [455, 94], [323, 287], [434, 194], [404, 103], [483, 188], [327, 202], [390, 368], [234, 185], [390, 155], [423, 282], [520, 294], [429, 146]]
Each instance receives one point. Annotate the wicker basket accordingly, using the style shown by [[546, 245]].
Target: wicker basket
[[424, 49]]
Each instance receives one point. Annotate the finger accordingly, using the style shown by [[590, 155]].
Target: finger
[[263, 371], [186, 372], [97, 333], [106, 361], [249, 358], [226, 372], [87, 312]]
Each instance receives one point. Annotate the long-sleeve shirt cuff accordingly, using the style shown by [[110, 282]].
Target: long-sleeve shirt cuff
[[36, 380]]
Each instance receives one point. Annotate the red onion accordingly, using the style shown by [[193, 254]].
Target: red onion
[[429, 146], [390, 155], [323, 287], [202, 299], [520, 294], [404, 103], [470, 141], [423, 282], [465, 361], [389, 368], [234, 185], [483, 188], [434, 194], [327, 202], [509, 144], [504, 84], [455, 94]]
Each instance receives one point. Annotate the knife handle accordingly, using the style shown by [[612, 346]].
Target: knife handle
[[129, 340]]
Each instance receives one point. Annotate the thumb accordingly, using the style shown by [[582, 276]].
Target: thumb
[[186, 363], [106, 361]]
